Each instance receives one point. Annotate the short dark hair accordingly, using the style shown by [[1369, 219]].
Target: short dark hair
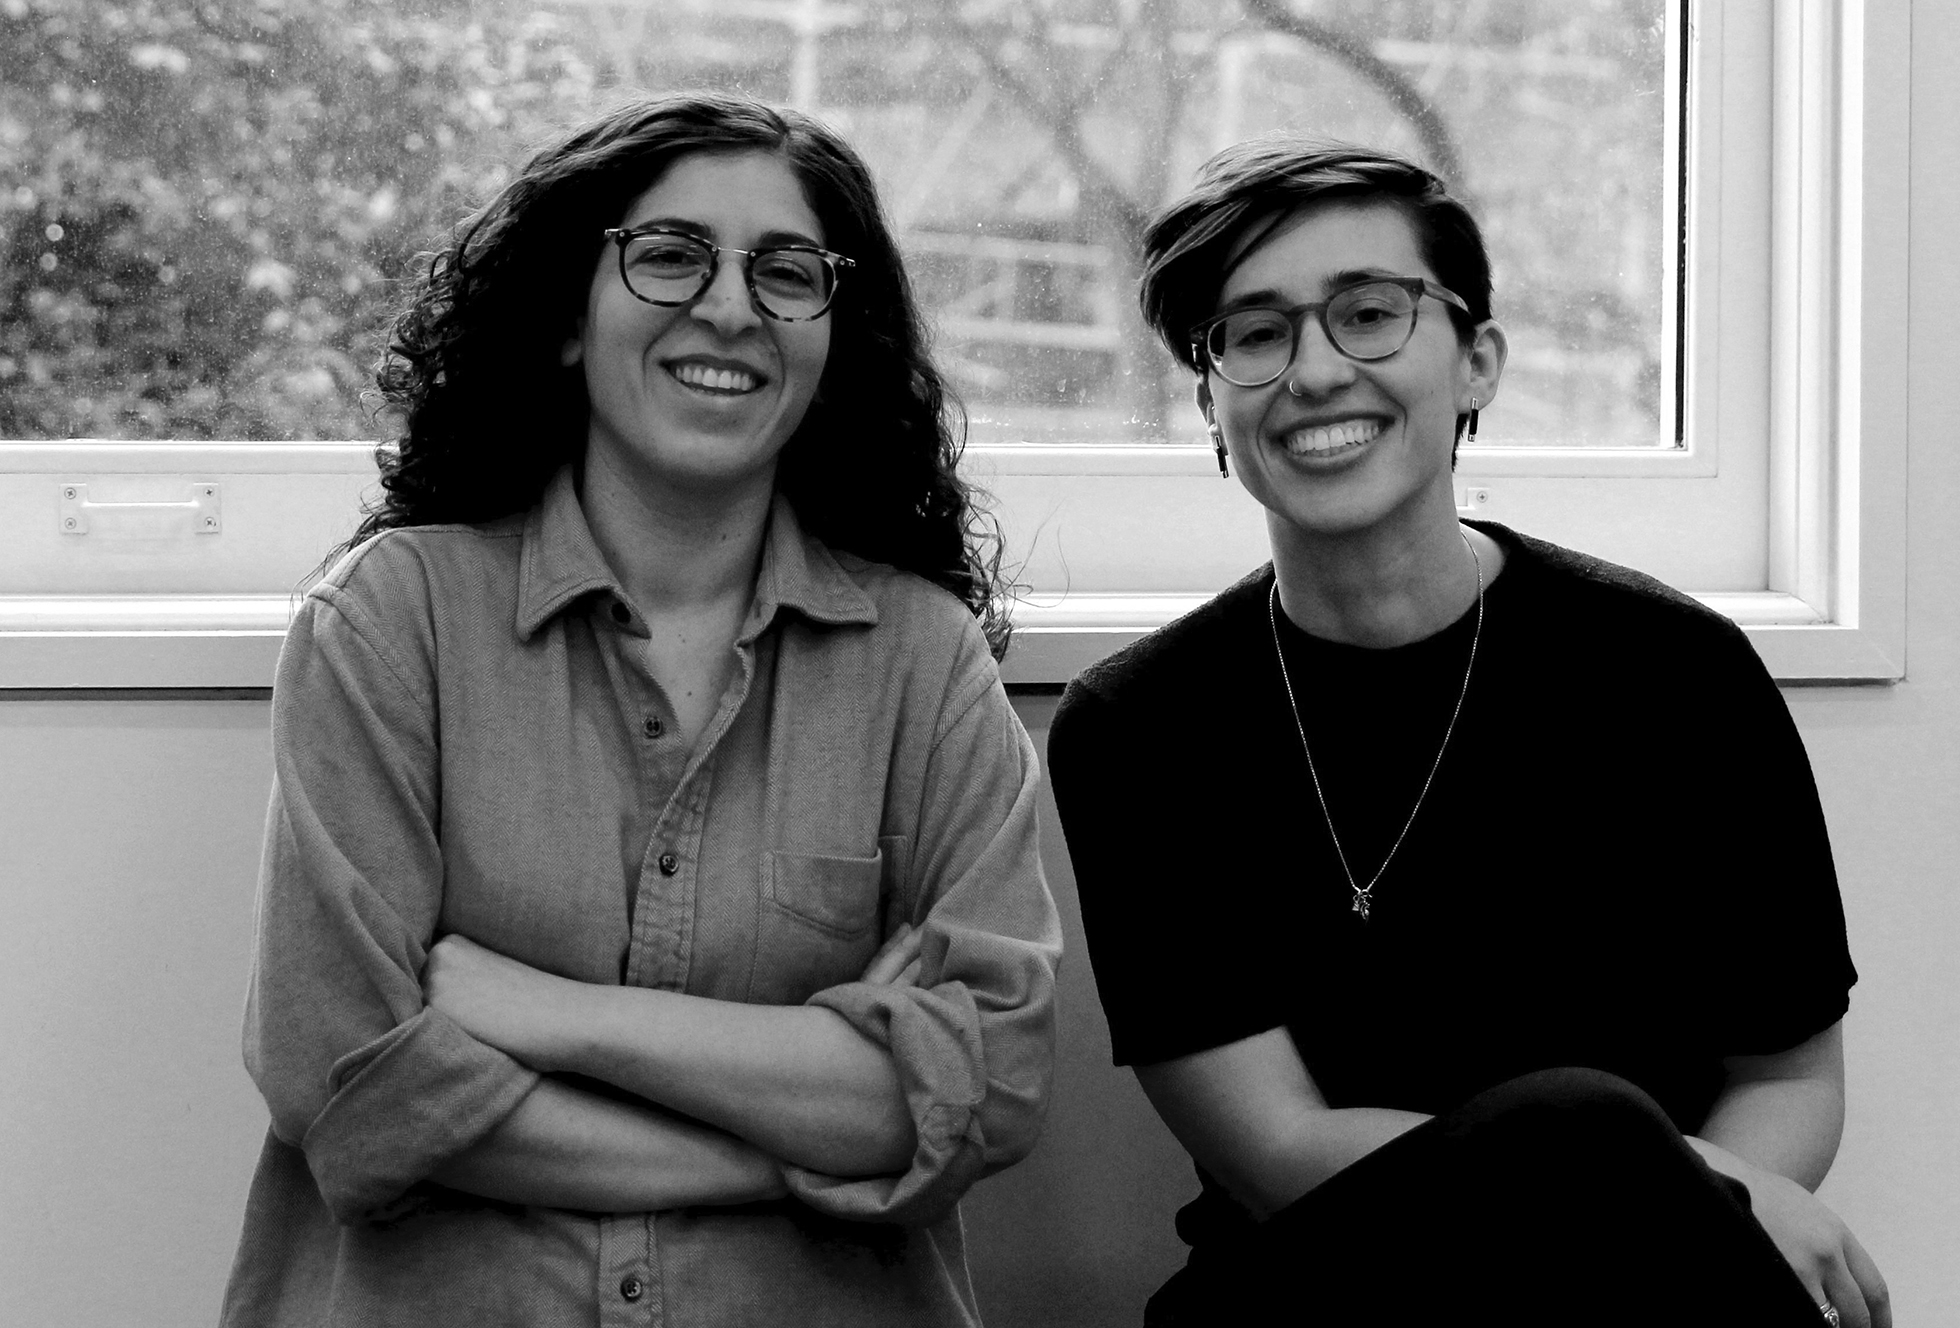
[[490, 413], [1193, 245]]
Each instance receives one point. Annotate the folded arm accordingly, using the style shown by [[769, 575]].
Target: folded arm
[[797, 1082], [1783, 1113], [379, 1090], [563, 1147], [886, 1097], [1775, 1128], [1251, 1116]]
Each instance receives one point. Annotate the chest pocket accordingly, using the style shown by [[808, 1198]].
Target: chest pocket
[[820, 921]]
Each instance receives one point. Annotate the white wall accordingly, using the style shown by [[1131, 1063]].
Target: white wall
[[128, 1129], [128, 851]]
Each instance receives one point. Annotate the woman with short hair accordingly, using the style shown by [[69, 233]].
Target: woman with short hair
[[650, 928], [1461, 1019]]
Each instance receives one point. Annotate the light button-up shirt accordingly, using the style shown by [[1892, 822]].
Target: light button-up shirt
[[467, 740]]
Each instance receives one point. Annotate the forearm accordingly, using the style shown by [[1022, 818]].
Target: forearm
[[566, 1148], [796, 1081], [1253, 1118], [1319, 1143], [1788, 1126]]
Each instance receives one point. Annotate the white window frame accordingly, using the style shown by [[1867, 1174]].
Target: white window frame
[[1819, 185], [1779, 363]]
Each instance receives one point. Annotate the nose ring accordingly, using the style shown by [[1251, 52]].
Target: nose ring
[[1292, 389]]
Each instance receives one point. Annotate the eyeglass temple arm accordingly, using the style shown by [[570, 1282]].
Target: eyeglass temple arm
[[1445, 294]]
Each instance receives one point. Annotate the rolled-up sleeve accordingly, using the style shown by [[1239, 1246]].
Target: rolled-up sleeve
[[374, 1087], [974, 1041]]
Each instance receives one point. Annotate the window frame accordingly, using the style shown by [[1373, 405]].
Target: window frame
[[1783, 362], [1821, 189]]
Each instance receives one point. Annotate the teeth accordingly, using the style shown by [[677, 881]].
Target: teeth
[[1331, 437], [719, 380]]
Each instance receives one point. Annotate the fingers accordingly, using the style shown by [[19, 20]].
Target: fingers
[[1844, 1295], [900, 949], [1852, 1283], [1876, 1296]]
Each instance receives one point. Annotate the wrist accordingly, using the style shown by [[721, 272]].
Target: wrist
[[770, 1182], [1731, 1167], [561, 1035], [753, 1176]]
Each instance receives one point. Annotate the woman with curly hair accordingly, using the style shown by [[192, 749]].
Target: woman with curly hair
[[650, 927]]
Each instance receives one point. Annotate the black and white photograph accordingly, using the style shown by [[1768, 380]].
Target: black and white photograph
[[979, 663]]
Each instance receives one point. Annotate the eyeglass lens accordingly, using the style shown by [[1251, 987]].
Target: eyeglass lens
[[673, 269], [1365, 322]]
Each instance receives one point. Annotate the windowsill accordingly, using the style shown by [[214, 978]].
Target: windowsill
[[232, 641]]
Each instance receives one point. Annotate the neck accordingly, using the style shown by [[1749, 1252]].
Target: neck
[[1382, 586], [676, 551]]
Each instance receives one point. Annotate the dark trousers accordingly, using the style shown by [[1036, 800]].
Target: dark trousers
[[1563, 1197]]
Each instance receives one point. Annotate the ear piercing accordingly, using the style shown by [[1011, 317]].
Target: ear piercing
[[1472, 438], [1218, 446]]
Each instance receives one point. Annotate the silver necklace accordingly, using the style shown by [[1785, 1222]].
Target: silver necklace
[[1363, 894]]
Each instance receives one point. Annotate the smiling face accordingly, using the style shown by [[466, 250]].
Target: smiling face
[[701, 397], [1353, 445]]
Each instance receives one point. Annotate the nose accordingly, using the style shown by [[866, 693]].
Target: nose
[[1318, 368], [725, 304]]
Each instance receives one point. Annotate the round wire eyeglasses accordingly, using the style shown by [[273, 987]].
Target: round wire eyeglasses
[[791, 283], [1370, 320]]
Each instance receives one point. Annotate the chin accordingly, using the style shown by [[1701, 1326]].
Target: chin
[[1332, 509]]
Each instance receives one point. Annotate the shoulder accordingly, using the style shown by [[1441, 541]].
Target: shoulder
[[907, 603], [1184, 658], [407, 569], [393, 591], [1579, 595], [924, 642]]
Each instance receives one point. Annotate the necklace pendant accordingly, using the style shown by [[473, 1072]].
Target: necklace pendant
[[1360, 906]]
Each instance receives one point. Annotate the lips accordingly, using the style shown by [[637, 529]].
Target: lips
[[1326, 440], [717, 379]]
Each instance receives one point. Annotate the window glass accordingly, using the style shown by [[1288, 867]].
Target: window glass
[[207, 206]]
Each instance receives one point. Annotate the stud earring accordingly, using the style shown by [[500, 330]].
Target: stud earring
[[1472, 438], [1218, 446]]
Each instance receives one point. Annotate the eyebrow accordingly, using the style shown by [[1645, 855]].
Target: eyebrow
[[767, 240], [1266, 297]]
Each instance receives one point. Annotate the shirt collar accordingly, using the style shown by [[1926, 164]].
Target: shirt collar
[[561, 563]]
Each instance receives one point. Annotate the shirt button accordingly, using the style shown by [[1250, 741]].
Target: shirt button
[[621, 615], [652, 727], [669, 864], [632, 1288]]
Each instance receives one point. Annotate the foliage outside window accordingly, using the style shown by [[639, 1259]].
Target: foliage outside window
[[208, 206]]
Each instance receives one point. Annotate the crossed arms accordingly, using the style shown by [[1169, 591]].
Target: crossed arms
[[751, 1084]]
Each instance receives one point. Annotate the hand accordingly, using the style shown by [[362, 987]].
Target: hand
[[897, 962], [517, 1009], [1827, 1258]]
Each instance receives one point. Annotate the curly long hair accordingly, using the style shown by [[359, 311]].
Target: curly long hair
[[489, 413]]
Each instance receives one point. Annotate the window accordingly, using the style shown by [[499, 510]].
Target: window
[[208, 203]]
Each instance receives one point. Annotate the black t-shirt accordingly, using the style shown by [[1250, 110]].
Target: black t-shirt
[[1621, 862]]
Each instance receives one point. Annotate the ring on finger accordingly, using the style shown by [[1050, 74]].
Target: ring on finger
[[1829, 1311]]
